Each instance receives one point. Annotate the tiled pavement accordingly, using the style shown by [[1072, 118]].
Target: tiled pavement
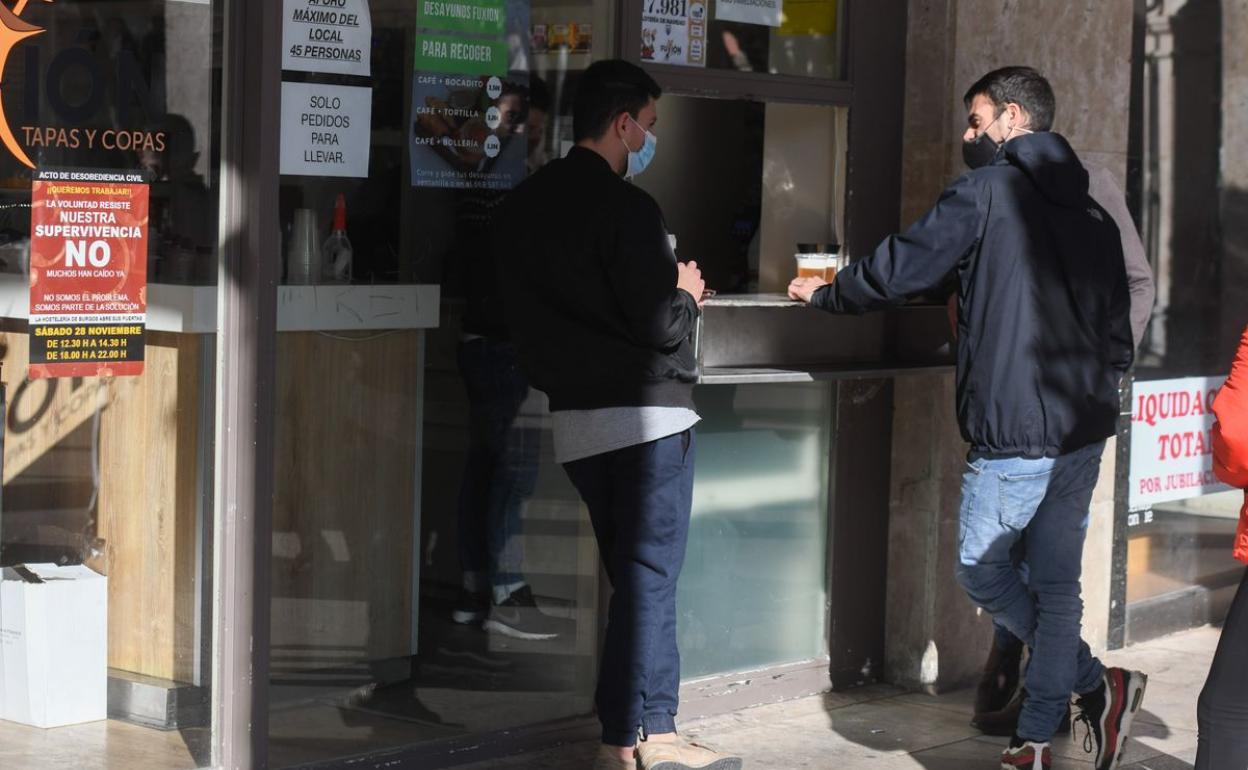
[[882, 728]]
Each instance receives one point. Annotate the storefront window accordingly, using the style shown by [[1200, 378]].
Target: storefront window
[[1179, 569], [1180, 530], [415, 467], [435, 575], [106, 595]]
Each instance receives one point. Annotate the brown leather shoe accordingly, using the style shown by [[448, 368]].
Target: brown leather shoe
[[680, 754], [1004, 723], [607, 759], [999, 682]]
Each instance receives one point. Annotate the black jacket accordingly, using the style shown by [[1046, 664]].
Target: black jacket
[[474, 215], [590, 290], [1043, 310]]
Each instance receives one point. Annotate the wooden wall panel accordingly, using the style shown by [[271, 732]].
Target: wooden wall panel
[[345, 501], [42, 413], [344, 508], [149, 443], [147, 496]]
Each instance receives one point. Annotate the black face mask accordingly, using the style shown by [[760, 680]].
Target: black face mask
[[979, 152]]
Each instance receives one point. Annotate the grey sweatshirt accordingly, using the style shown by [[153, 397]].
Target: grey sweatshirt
[[1104, 190]]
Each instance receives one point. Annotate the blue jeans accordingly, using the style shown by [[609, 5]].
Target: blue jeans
[[500, 473], [639, 501], [1046, 499]]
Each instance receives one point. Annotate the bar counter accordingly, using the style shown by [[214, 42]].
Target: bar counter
[[761, 338]]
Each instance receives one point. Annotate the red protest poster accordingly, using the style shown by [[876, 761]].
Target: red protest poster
[[88, 273]]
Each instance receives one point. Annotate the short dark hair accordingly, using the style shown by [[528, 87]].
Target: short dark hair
[[608, 89], [1023, 86]]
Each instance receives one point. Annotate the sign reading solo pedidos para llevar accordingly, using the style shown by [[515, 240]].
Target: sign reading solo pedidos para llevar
[[88, 273]]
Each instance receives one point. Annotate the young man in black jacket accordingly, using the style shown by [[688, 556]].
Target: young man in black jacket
[[1044, 339], [601, 314]]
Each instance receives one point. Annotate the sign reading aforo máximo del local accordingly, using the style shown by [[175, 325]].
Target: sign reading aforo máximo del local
[[334, 36], [88, 273]]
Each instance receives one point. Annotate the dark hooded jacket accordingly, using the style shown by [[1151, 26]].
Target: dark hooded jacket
[[591, 298], [1044, 332]]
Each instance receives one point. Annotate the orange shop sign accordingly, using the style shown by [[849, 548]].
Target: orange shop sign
[[19, 139]]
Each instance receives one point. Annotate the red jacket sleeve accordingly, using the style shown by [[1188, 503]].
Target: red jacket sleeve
[[1230, 432]]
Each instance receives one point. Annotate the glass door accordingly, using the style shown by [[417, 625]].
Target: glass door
[[434, 576], [109, 177]]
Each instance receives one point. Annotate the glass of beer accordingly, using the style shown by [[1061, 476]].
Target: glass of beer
[[836, 262], [812, 265]]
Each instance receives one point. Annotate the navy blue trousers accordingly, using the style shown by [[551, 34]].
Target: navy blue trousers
[[639, 501]]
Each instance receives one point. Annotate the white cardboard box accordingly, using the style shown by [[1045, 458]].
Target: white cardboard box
[[53, 645]]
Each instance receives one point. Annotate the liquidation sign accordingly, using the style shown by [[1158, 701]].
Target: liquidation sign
[[88, 273], [1171, 444]]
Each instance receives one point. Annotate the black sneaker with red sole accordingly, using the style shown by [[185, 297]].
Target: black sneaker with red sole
[[1026, 755], [1108, 712]]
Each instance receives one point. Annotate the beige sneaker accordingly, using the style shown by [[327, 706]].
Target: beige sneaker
[[607, 759], [680, 754]]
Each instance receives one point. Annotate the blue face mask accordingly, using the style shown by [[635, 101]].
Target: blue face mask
[[639, 160]]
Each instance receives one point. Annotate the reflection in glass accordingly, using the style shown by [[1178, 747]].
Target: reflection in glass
[[1180, 572], [760, 502], [434, 575], [805, 41], [116, 473]]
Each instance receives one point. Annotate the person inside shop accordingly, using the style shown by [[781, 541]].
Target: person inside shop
[[182, 207], [535, 124], [500, 471], [1222, 710], [1044, 339], [739, 46], [999, 696], [601, 313]]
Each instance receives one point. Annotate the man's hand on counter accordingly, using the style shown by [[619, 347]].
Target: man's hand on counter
[[689, 278], [804, 288]]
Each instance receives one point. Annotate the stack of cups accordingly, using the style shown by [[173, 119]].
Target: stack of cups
[[303, 257]]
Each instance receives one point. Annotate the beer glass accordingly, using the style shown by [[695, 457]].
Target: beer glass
[[811, 265]]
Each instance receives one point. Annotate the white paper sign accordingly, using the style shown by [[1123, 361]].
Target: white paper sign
[[334, 36], [1171, 449], [768, 13], [674, 32], [326, 130]]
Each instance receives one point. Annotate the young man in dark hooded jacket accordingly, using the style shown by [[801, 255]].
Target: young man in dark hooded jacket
[[1044, 339]]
